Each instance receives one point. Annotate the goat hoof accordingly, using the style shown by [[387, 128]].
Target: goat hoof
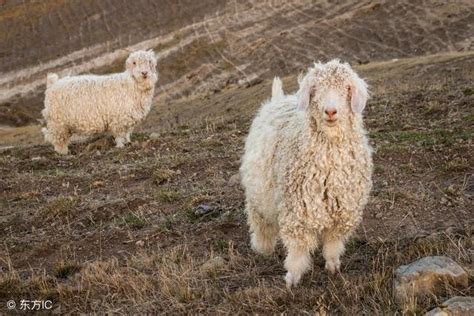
[[333, 266], [291, 279]]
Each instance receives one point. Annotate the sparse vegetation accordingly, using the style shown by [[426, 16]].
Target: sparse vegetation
[[167, 195], [243, 285], [108, 230], [161, 176], [127, 204], [64, 269], [468, 91], [132, 220], [437, 137], [60, 206]]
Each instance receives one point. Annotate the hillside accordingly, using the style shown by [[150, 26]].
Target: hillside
[[123, 230], [104, 221], [206, 46]]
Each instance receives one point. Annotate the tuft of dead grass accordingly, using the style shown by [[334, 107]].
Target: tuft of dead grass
[[178, 281], [133, 220], [65, 268], [161, 176], [62, 206], [167, 195]]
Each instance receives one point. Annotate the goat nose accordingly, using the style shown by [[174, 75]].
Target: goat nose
[[144, 73], [330, 113]]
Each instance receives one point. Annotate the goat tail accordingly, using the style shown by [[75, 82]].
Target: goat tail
[[277, 89], [51, 78]]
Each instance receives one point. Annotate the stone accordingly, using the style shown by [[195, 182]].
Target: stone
[[155, 136], [428, 275], [227, 216], [250, 81], [213, 265], [455, 306], [234, 180], [203, 209]]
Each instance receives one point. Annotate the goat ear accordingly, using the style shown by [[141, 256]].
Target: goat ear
[[359, 94], [304, 93], [152, 53], [128, 63]]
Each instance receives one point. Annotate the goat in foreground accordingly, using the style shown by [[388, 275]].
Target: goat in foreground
[[307, 167]]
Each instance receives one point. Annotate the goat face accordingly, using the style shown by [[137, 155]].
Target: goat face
[[142, 67], [331, 93]]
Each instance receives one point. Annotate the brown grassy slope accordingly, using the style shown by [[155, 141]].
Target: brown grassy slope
[[208, 47], [115, 230], [68, 26]]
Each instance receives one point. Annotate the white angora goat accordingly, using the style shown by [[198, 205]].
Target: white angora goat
[[307, 167], [92, 104]]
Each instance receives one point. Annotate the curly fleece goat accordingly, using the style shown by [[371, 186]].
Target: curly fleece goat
[[307, 167], [92, 104]]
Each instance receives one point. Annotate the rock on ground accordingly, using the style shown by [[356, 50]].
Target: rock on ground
[[455, 306], [428, 275], [213, 264], [154, 136], [234, 180]]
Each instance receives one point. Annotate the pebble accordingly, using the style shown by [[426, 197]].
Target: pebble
[[234, 180], [203, 209], [213, 264]]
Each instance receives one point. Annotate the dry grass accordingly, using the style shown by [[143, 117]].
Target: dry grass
[[117, 231], [174, 281], [161, 176], [133, 220], [60, 206], [166, 195]]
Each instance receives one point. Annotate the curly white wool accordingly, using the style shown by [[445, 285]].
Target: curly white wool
[[92, 104], [307, 167]]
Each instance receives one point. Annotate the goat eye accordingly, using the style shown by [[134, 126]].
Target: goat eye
[[134, 63]]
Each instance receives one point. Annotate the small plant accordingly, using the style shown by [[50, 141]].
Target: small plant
[[191, 215], [133, 221], [168, 196], [170, 221], [139, 137], [9, 282], [211, 143], [354, 243], [220, 244], [64, 269], [468, 91], [61, 206], [457, 164], [161, 176]]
